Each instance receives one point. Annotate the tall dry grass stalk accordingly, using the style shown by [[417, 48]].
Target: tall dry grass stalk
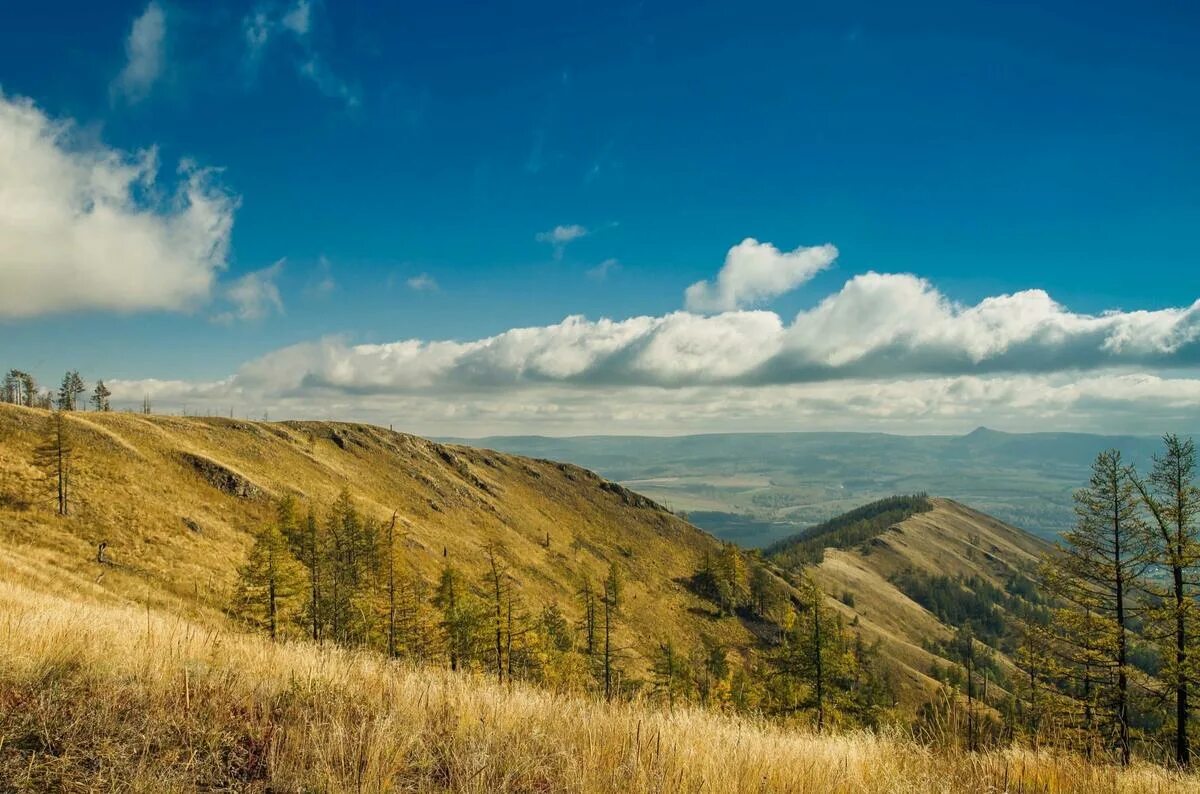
[[103, 697]]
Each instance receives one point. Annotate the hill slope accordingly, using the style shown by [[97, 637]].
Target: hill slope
[[176, 500], [949, 547], [124, 699]]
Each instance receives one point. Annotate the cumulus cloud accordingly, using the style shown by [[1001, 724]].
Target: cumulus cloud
[[876, 328], [144, 55], [84, 226], [755, 272], [253, 296]]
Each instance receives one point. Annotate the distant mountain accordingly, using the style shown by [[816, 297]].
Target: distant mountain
[[755, 488]]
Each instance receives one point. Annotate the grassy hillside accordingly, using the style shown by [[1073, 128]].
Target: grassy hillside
[[96, 695], [880, 577], [176, 500]]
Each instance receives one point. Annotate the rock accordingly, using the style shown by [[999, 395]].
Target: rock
[[223, 478]]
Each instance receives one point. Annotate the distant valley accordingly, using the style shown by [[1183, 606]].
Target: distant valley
[[755, 488]]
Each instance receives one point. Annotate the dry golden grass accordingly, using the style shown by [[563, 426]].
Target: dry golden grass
[[116, 697], [176, 539]]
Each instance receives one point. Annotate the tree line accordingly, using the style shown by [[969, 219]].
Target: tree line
[[1106, 643], [335, 575], [21, 388]]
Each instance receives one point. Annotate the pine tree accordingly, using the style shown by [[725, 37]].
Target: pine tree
[[54, 457], [305, 542], [353, 564], [390, 554], [100, 397], [1097, 571], [68, 393], [497, 586], [268, 583], [1173, 501], [1038, 673], [14, 387], [461, 617], [587, 599], [611, 603], [672, 674], [813, 662]]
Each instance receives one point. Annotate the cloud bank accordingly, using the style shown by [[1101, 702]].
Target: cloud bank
[[877, 326], [886, 351], [84, 226]]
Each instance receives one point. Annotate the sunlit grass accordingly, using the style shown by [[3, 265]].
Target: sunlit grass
[[109, 697]]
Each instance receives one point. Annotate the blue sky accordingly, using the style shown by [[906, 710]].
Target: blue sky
[[402, 161]]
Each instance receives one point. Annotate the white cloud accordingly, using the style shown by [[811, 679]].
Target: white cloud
[[253, 296], [877, 327], [422, 283], [559, 236], [84, 226], [755, 272], [1111, 403], [144, 54]]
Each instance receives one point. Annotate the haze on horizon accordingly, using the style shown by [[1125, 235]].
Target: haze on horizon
[[683, 218]]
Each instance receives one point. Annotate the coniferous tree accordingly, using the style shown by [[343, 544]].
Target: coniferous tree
[[497, 586], [610, 600], [69, 391], [587, 599], [390, 555], [13, 388], [1096, 571], [100, 397], [462, 618], [416, 621], [1172, 498], [268, 583], [813, 663], [1035, 685], [20, 388], [672, 674], [354, 561]]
